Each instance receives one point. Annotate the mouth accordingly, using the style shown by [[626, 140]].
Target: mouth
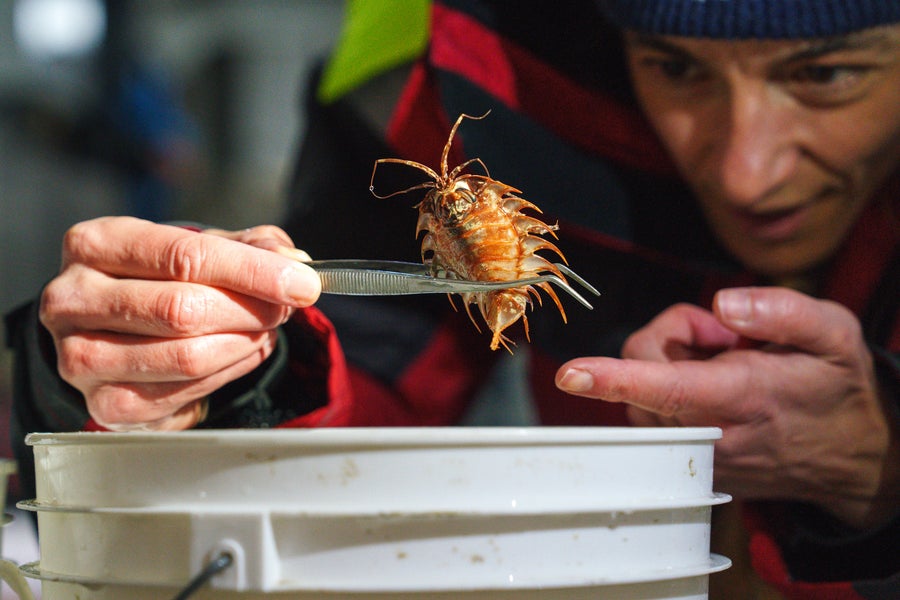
[[776, 225], [773, 226]]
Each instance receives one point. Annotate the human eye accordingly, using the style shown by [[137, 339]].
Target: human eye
[[828, 83], [676, 70], [828, 76]]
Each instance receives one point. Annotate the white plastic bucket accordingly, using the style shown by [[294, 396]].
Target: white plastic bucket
[[378, 513]]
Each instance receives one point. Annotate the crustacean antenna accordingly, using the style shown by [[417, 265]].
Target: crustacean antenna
[[441, 180], [449, 143]]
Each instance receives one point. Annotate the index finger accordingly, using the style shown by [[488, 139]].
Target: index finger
[[132, 248], [701, 389]]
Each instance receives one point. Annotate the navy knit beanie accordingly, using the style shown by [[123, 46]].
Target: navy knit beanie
[[763, 19]]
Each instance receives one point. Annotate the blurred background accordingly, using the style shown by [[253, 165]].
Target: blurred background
[[163, 109]]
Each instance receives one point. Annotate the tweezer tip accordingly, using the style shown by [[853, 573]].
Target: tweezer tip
[[578, 278]]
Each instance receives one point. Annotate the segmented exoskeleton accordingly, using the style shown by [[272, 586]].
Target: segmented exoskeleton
[[476, 230]]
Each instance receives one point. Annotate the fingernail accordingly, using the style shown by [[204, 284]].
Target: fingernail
[[576, 381], [735, 306], [293, 253], [301, 285]]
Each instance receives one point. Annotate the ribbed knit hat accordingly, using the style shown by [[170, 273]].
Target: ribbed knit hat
[[763, 19]]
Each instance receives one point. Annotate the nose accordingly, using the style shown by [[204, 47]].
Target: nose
[[759, 151]]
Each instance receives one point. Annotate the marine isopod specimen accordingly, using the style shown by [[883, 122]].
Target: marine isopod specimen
[[475, 229]]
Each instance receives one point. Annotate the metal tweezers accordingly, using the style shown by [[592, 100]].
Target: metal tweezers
[[389, 278]]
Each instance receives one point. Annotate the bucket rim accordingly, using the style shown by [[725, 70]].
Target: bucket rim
[[661, 504], [713, 564], [390, 436]]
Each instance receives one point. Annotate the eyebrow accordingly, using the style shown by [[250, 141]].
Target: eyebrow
[[853, 41]]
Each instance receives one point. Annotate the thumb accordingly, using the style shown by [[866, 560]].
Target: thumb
[[788, 318]]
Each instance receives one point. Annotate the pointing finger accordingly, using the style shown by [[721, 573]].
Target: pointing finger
[[700, 389]]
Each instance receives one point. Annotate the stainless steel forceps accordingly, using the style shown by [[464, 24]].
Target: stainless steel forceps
[[389, 278]]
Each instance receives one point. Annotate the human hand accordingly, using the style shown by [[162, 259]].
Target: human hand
[[149, 319], [787, 377]]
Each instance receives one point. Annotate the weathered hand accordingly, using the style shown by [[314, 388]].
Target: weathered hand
[[149, 319], [787, 377]]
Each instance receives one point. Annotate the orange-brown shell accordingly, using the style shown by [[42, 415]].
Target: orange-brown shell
[[475, 229]]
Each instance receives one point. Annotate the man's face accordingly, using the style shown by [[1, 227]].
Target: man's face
[[783, 142]]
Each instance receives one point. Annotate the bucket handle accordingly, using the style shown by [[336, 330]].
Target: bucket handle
[[215, 566], [9, 572]]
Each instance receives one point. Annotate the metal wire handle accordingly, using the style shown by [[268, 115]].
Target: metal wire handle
[[215, 566]]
